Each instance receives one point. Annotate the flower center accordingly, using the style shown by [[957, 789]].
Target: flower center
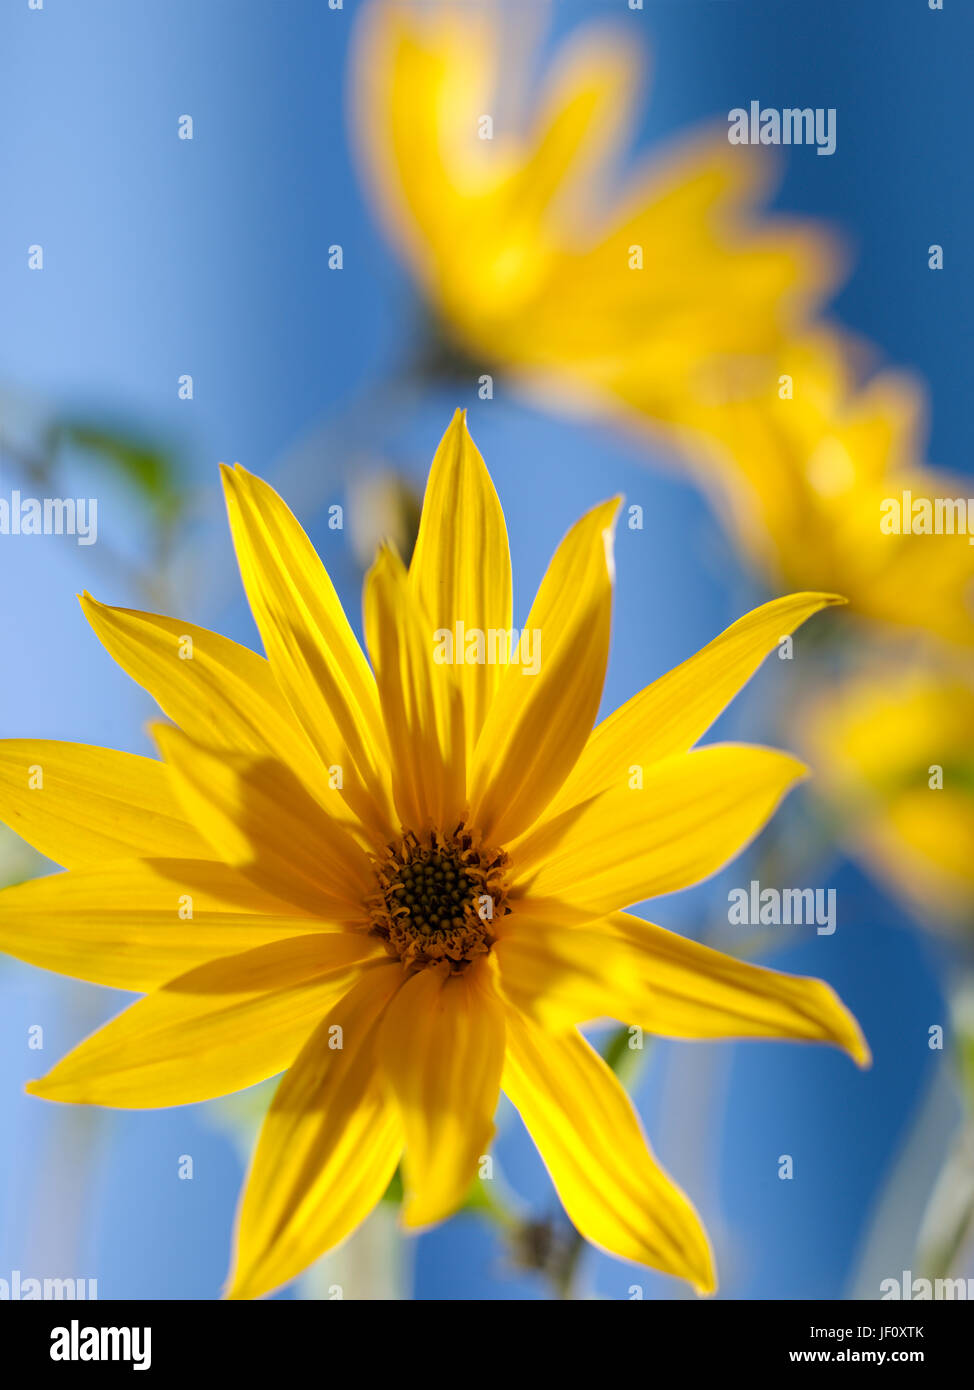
[[438, 898]]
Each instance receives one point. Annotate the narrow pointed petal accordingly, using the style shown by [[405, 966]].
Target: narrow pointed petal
[[593, 1146], [422, 702], [461, 566], [693, 813], [583, 112], [137, 923], [670, 715], [312, 649], [561, 975], [219, 693], [217, 1029], [539, 723], [441, 1047], [681, 989], [257, 816], [80, 805], [412, 176], [328, 1147]]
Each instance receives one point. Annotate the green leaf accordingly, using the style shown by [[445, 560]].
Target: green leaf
[[149, 466]]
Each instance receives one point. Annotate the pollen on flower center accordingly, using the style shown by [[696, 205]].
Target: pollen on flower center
[[439, 896]]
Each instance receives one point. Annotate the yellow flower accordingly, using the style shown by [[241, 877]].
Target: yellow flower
[[895, 749], [539, 259], [821, 479], [404, 889]]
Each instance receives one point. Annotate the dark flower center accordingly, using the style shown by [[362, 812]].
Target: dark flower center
[[439, 897]]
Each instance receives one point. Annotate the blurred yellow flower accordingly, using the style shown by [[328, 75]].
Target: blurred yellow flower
[[893, 750], [540, 257], [404, 889], [823, 485]]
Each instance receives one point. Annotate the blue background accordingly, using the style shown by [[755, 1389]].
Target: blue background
[[165, 256]]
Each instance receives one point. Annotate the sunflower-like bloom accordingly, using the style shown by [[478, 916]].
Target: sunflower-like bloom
[[539, 258], [404, 889], [819, 476], [895, 749]]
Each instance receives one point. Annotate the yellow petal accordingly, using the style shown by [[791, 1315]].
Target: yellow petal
[[523, 243], [584, 112], [680, 989], [461, 566], [870, 737], [218, 692], [405, 82], [258, 817], [81, 805], [539, 723], [561, 975], [216, 1029], [328, 1147], [441, 1046], [422, 702], [670, 715], [708, 299], [137, 923], [311, 647], [594, 1149], [693, 813]]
